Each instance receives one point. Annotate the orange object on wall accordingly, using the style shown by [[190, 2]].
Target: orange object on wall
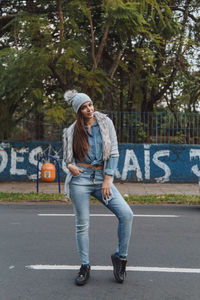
[[48, 172]]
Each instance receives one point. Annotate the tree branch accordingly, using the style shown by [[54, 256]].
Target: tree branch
[[93, 40], [115, 65], [52, 66], [178, 55], [4, 20], [102, 44], [24, 115], [170, 103]]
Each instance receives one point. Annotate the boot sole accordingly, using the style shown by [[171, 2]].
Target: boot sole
[[82, 283]]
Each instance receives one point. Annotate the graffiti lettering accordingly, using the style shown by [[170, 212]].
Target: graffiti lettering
[[3, 160], [195, 153], [131, 157], [17, 159], [162, 165], [33, 160], [149, 163]]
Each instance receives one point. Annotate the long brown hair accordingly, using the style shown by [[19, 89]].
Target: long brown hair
[[80, 138]]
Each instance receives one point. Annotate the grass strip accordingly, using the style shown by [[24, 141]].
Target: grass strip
[[132, 199], [30, 197], [163, 199]]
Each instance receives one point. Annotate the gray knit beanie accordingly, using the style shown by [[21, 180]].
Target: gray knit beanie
[[76, 99]]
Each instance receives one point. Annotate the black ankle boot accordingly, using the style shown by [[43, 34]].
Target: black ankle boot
[[83, 275], [119, 266]]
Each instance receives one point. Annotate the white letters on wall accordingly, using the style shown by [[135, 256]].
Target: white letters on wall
[[162, 165], [32, 159], [130, 156], [147, 162], [3, 160], [117, 174], [195, 153], [17, 159]]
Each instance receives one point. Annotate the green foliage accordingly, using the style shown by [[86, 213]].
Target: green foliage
[[179, 138], [141, 49], [57, 114], [141, 133]]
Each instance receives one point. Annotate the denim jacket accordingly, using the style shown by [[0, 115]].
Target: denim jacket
[[109, 145], [95, 155]]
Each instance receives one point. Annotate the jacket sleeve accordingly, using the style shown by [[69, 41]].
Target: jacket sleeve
[[111, 166], [65, 144], [112, 162], [68, 144], [113, 138]]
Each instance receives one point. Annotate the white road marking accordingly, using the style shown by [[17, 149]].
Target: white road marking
[[108, 215], [11, 267], [110, 268]]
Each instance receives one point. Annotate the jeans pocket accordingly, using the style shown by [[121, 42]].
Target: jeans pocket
[[76, 175]]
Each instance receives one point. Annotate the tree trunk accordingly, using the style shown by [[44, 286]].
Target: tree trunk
[[39, 126]]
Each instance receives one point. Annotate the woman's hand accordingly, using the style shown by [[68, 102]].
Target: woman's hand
[[106, 186], [74, 170]]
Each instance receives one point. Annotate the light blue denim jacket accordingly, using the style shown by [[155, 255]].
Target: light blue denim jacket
[[95, 156], [109, 147]]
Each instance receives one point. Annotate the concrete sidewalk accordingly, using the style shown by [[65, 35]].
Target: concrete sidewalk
[[124, 188]]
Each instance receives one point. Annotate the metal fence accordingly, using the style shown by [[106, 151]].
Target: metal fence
[[131, 127], [157, 127]]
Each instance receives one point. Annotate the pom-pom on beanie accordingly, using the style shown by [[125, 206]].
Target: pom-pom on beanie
[[76, 99]]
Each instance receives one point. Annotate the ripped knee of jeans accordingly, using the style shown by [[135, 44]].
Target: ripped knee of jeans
[[81, 228]]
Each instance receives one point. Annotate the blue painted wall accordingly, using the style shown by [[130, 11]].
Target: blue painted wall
[[137, 163]]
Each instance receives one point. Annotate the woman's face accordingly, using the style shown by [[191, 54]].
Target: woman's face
[[87, 110]]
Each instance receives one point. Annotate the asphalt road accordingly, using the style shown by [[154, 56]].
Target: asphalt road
[[164, 258]]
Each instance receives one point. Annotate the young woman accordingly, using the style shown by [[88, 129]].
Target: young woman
[[91, 152]]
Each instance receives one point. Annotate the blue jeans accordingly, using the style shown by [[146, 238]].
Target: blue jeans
[[81, 188]]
